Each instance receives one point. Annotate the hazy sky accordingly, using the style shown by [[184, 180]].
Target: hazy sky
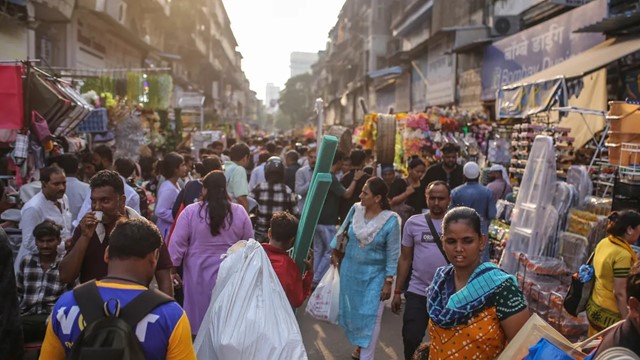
[[269, 30]]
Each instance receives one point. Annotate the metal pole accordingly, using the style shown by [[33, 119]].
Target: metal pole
[[320, 111]]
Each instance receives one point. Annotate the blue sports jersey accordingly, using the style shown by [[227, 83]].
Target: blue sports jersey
[[155, 331]]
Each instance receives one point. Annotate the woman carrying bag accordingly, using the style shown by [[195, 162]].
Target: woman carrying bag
[[612, 259], [368, 266], [203, 233]]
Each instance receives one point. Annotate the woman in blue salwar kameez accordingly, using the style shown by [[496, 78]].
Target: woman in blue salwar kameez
[[368, 267]]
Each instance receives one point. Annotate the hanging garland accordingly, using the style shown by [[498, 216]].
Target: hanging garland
[[135, 90]]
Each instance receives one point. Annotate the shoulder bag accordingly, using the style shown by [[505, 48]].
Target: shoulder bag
[[579, 292], [436, 236]]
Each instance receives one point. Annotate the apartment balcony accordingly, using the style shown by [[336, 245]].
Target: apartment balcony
[[53, 10]]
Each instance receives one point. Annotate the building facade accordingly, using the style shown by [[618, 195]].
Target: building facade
[[97, 37], [439, 52]]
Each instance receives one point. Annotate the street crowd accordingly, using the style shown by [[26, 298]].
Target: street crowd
[[94, 233]]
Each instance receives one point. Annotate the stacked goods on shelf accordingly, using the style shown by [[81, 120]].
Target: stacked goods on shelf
[[625, 129], [522, 139], [544, 280]]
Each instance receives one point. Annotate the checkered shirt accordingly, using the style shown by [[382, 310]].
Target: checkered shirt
[[272, 198], [38, 290]]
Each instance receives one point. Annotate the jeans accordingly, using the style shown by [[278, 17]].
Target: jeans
[[414, 322], [322, 250]]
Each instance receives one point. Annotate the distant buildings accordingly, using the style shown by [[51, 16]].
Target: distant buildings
[[301, 62], [272, 95]]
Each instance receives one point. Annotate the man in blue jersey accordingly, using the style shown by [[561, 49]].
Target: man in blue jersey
[[131, 256]]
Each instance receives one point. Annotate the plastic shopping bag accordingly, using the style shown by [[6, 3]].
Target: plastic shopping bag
[[249, 316], [324, 303], [546, 350]]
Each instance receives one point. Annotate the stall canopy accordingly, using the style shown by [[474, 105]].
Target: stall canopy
[[551, 87]]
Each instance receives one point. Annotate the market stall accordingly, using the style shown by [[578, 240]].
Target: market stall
[[398, 137]]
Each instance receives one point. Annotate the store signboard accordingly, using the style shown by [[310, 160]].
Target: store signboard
[[441, 72], [535, 49]]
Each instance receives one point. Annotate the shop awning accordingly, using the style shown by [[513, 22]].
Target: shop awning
[[589, 61], [613, 24], [386, 72], [538, 92]]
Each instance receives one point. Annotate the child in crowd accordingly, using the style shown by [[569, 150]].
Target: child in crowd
[[282, 235], [38, 281]]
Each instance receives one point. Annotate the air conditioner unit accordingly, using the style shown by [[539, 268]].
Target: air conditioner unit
[[117, 9], [505, 25], [122, 13]]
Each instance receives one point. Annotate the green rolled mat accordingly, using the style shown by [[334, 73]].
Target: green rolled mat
[[315, 198], [309, 218]]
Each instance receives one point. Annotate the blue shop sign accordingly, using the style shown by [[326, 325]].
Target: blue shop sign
[[535, 49]]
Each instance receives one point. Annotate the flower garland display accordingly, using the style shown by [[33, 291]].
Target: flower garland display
[[422, 134]]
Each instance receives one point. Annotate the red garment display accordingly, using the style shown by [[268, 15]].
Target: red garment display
[[296, 288], [11, 102]]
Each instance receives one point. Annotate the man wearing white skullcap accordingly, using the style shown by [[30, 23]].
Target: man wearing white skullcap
[[474, 195], [499, 182]]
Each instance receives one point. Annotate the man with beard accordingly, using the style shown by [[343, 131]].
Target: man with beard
[[103, 160], [448, 170], [86, 249], [49, 204], [420, 249]]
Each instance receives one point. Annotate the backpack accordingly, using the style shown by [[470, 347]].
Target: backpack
[[111, 336]]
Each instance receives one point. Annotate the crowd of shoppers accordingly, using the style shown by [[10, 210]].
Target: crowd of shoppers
[[418, 241]]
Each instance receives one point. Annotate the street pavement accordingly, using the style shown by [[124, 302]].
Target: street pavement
[[325, 341]]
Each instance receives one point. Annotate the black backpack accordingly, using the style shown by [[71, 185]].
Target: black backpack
[[111, 336]]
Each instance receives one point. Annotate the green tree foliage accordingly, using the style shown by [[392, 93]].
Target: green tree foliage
[[296, 100]]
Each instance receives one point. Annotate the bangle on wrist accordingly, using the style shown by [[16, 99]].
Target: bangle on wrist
[[388, 279], [397, 292]]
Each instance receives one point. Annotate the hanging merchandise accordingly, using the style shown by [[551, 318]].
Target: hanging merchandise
[[129, 135], [56, 101], [160, 89], [135, 90], [40, 128], [11, 98], [96, 122]]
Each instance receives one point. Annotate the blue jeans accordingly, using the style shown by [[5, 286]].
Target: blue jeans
[[322, 250]]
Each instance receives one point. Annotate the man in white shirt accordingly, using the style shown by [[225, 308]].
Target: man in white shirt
[[303, 178], [49, 204], [76, 190]]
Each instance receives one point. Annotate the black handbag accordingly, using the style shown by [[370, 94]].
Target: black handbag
[[579, 293]]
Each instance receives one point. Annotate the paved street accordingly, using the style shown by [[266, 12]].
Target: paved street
[[325, 341]]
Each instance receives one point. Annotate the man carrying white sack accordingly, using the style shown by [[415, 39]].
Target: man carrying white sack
[[262, 326]]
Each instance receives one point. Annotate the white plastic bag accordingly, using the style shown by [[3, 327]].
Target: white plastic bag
[[324, 303], [249, 316]]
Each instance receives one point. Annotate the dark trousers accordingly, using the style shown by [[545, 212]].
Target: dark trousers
[[34, 327], [414, 322]]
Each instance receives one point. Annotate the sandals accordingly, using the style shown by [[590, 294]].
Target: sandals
[[355, 355]]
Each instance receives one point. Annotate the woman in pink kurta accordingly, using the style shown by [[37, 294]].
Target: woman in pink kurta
[[203, 233]]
